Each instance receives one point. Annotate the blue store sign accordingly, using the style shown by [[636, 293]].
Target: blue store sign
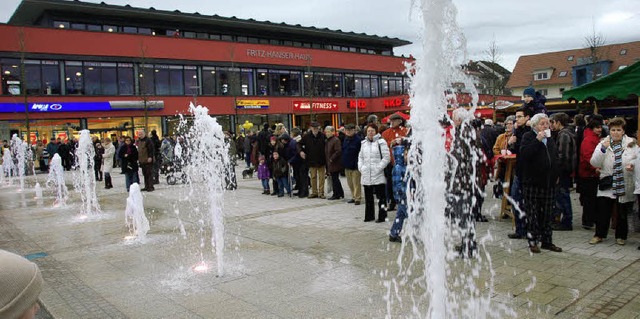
[[80, 106]]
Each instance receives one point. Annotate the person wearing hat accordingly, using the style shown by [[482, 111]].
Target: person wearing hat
[[393, 136], [534, 101], [312, 152], [290, 153], [350, 150], [20, 286]]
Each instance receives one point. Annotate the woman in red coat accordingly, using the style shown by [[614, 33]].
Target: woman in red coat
[[588, 174]]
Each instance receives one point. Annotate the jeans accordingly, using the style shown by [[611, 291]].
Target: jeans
[[265, 184], [401, 214], [247, 158], [283, 183], [518, 212], [131, 177], [563, 202]]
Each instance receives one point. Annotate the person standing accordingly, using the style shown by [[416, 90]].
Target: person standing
[[350, 151], [393, 136], [246, 145], [129, 155], [157, 159], [615, 155], [539, 181], [333, 154], [312, 152], [372, 159], [146, 154], [109, 151], [566, 144], [520, 128], [52, 147], [589, 175], [40, 156], [97, 160], [399, 191]]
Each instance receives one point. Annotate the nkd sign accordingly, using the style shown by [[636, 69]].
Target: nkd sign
[[317, 105], [393, 103]]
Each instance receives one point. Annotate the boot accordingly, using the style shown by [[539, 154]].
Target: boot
[[107, 182]]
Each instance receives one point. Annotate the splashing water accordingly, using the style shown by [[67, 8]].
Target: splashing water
[[56, 179], [20, 150], [38, 190], [206, 164], [134, 215], [442, 282], [84, 179], [7, 166]]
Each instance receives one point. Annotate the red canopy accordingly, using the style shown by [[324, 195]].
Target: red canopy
[[405, 116]]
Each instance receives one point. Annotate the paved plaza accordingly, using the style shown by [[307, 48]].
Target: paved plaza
[[285, 258]]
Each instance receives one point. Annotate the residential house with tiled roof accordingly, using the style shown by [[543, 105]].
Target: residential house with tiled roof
[[553, 72]]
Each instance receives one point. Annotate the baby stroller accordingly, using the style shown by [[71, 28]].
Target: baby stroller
[[174, 172]]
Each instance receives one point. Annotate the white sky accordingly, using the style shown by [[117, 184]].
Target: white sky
[[518, 27]]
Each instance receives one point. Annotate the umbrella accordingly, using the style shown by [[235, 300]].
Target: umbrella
[[405, 116]]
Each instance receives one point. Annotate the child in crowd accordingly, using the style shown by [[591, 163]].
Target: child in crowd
[[280, 169], [399, 191], [263, 174]]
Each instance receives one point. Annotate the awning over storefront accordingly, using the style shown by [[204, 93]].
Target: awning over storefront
[[619, 84]]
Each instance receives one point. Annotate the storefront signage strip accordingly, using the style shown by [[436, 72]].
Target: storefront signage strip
[[278, 55], [318, 105], [54, 107]]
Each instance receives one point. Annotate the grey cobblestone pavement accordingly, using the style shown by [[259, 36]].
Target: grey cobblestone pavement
[[286, 258]]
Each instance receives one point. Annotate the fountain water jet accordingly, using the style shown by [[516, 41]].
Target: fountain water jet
[[206, 164], [56, 178], [84, 180], [134, 215], [19, 148], [7, 166], [38, 190]]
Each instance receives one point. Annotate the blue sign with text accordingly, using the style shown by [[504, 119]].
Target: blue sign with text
[[53, 107]]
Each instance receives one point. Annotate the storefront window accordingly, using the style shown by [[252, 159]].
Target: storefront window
[[73, 78], [44, 130], [262, 82], [391, 85], [154, 124], [349, 85], [111, 126], [125, 79], [247, 82], [100, 78], [209, 80], [33, 76], [191, 80], [362, 85], [375, 88], [228, 80], [51, 77]]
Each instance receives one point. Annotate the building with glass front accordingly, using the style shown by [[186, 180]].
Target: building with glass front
[[70, 65]]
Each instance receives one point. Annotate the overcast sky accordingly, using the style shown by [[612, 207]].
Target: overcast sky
[[518, 27]]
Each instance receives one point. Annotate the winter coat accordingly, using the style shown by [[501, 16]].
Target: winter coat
[[567, 154], [589, 143], [246, 143], [130, 162], [539, 161], [146, 150], [372, 159], [291, 152], [313, 147], [263, 171], [333, 154], [515, 147], [109, 151], [605, 162], [52, 149], [279, 167], [537, 105], [501, 143], [350, 151], [398, 175], [99, 151], [392, 133]]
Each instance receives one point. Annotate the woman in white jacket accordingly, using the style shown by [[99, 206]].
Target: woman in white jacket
[[614, 156], [372, 159], [109, 150]]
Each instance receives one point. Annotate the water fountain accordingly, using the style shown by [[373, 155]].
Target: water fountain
[[441, 284], [134, 215], [7, 164], [38, 190], [206, 164], [56, 179], [84, 179], [19, 148]]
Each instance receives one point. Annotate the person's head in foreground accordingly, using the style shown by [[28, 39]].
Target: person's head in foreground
[[20, 286]]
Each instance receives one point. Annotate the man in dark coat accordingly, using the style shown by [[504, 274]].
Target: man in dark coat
[[263, 139], [567, 157], [350, 151], [157, 160], [129, 155], [291, 155], [146, 155], [333, 155], [520, 128], [312, 152]]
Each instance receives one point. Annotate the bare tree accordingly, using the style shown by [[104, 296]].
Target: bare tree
[[310, 87], [595, 42], [143, 81], [22, 43], [494, 81]]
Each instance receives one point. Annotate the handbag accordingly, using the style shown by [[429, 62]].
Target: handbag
[[605, 183]]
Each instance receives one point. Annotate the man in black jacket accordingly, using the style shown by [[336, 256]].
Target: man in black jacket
[[567, 154], [312, 152], [520, 127]]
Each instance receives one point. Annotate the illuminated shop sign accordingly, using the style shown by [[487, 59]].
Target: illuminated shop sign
[[54, 107], [391, 103], [351, 104], [286, 55], [252, 104], [316, 105]]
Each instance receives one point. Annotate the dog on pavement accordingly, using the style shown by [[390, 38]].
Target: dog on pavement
[[247, 173]]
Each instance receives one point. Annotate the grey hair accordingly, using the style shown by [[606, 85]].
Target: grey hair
[[510, 118], [330, 128], [536, 119], [461, 114]]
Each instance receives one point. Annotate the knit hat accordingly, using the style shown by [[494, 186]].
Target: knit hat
[[21, 284], [273, 138], [261, 158], [285, 136], [530, 91]]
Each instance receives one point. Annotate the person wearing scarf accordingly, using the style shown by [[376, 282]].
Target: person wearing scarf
[[540, 171], [614, 156]]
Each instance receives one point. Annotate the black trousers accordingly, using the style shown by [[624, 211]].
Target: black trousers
[[369, 208], [603, 218], [588, 200], [389, 186], [147, 172], [337, 187], [303, 182]]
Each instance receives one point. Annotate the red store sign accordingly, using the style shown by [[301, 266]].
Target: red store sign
[[393, 103], [317, 105], [351, 104]]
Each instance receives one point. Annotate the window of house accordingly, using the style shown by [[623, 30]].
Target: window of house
[[214, 36], [129, 29], [125, 79], [284, 82], [50, 77], [262, 82], [110, 28], [541, 76], [144, 31], [189, 34], [570, 58], [241, 39], [209, 80], [78, 26], [94, 27], [61, 24], [544, 91], [100, 78], [74, 83], [202, 35], [562, 74], [226, 37], [191, 80], [623, 52]]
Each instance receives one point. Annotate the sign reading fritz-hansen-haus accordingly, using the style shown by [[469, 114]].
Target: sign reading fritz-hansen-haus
[[316, 105], [278, 55], [252, 104]]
